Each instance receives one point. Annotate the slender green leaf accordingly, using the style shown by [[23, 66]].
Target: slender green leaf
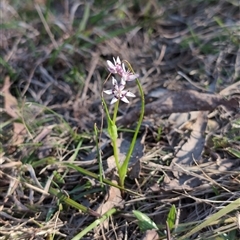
[[63, 197], [95, 176], [124, 167], [171, 217], [95, 224], [145, 223], [99, 156], [234, 152]]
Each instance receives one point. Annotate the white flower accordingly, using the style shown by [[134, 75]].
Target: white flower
[[116, 67], [127, 75], [119, 68], [118, 92]]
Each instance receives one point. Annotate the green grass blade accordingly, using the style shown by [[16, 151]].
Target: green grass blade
[[223, 212], [95, 224], [99, 156], [86, 15]]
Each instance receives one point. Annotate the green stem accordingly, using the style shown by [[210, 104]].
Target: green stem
[[112, 130], [106, 111], [115, 111], [124, 167], [114, 140], [115, 152]]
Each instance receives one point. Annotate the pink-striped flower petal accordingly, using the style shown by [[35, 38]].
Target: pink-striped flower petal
[[118, 92]]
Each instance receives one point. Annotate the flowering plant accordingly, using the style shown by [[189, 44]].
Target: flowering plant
[[120, 93]]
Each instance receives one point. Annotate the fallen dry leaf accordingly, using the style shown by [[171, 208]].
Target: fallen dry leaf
[[150, 235], [182, 119], [19, 133], [11, 108], [193, 148], [186, 156], [112, 199], [10, 102], [181, 101]]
